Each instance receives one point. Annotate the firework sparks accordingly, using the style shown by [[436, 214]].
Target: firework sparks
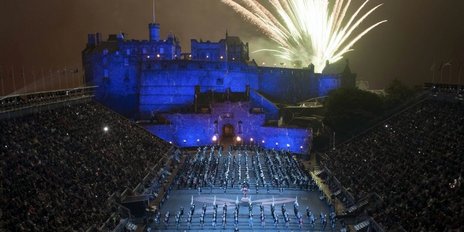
[[307, 30]]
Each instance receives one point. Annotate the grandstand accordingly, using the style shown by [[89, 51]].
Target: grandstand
[[411, 162], [65, 168]]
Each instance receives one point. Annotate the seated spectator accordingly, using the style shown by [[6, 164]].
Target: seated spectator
[[414, 161], [59, 167]]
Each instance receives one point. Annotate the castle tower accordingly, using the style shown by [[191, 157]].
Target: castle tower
[[153, 27], [154, 31]]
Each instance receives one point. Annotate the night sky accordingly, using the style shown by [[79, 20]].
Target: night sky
[[51, 34]]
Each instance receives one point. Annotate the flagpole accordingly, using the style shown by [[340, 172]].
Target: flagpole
[[3, 89], [433, 72], [459, 74], [35, 81], [66, 78], [24, 80], [442, 68], [1, 78], [42, 79], [153, 12], [60, 76], [450, 74], [441, 73], [433, 76], [14, 82], [76, 77], [73, 78], [50, 77], [81, 74]]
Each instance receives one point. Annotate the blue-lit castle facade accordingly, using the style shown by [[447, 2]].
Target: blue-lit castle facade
[[155, 80]]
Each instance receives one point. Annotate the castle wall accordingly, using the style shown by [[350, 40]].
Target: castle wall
[[195, 132], [139, 88], [287, 85], [161, 50], [141, 78], [117, 81], [270, 109], [295, 85], [188, 130], [170, 86], [328, 83], [198, 129], [208, 50], [296, 140]]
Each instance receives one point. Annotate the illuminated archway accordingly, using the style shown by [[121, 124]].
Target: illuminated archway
[[228, 131]]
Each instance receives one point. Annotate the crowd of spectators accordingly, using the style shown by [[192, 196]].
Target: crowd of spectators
[[59, 167], [414, 161], [22, 101]]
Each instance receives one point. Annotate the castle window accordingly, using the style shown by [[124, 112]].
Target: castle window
[[105, 73], [128, 52], [126, 61], [162, 50], [105, 52], [144, 51]]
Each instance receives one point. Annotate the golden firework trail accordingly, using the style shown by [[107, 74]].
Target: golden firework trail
[[312, 31]]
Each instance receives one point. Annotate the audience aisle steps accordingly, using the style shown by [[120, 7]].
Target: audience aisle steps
[[157, 201], [362, 225], [357, 206]]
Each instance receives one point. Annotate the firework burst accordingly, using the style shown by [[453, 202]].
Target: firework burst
[[310, 31]]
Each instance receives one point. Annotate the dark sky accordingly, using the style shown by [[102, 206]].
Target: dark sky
[[52, 33]]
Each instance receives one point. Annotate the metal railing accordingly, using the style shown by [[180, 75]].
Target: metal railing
[[22, 104]]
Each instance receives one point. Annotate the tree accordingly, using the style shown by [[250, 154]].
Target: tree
[[351, 109], [397, 93]]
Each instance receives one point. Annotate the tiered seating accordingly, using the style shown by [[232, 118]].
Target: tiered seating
[[60, 167], [414, 163]]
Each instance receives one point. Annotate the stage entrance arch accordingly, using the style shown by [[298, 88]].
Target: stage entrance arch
[[227, 136], [228, 131]]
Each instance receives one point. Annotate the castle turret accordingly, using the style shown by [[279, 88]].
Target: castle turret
[[154, 30], [311, 68], [91, 41], [98, 38]]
